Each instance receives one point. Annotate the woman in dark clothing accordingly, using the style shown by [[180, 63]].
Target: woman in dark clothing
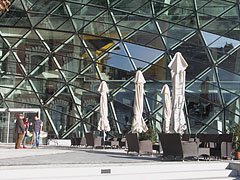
[[26, 123]]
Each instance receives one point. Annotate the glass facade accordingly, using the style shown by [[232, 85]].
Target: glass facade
[[54, 54]]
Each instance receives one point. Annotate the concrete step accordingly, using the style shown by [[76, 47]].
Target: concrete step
[[161, 170]]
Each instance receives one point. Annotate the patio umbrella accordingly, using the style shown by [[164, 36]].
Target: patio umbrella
[[178, 73], [167, 108], [138, 124], [103, 124]]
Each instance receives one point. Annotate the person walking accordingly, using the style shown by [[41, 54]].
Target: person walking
[[19, 129], [37, 128], [26, 123]]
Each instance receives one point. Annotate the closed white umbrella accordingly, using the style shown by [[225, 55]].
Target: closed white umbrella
[[178, 73], [138, 124], [167, 108], [103, 124]]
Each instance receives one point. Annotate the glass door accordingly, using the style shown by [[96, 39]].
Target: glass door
[[8, 119], [3, 125]]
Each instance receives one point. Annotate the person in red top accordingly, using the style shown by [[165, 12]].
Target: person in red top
[[26, 123]]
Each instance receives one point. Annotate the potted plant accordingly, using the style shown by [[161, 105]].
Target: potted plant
[[236, 140], [149, 135]]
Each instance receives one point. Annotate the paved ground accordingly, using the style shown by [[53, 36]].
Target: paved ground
[[54, 162], [47, 155]]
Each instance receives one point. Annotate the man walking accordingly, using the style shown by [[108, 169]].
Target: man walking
[[37, 128], [19, 128]]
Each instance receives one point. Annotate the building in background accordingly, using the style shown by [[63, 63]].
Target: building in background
[[54, 54]]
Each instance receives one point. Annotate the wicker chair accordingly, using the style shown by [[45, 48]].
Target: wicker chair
[[173, 146], [91, 141], [134, 145]]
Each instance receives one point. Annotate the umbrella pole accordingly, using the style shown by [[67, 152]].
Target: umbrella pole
[[104, 136]]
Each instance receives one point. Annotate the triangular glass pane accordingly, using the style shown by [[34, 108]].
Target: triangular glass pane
[[105, 18], [144, 38], [8, 82], [88, 13], [232, 14], [119, 62], [12, 35], [160, 7], [235, 108], [207, 9], [189, 21], [35, 18], [79, 24], [145, 10], [201, 3], [125, 31], [74, 8], [186, 4], [156, 43], [217, 125], [158, 72], [209, 37], [80, 2], [60, 11], [111, 33], [101, 3], [175, 14], [232, 63], [220, 26], [170, 42], [124, 112], [52, 22], [150, 27], [199, 114], [143, 53], [44, 6], [232, 118], [14, 19], [32, 42], [176, 31], [138, 21], [9, 65], [206, 88], [35, 59], [60, 111], [229, 81], [125, 5], [54, 39], [115, 76], [67, 26], [3, 47], [87, 82], [140, 64], [47, 86], [70, 65], [19, 103], [98, 45], [29, 4], [198, 61], [24, 94], [228, 96], [72, 48], [222, 46], [233, 33], [60, 114], [204, 18], [96, 28], [119, 15]]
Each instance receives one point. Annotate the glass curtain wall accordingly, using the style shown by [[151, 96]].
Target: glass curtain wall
[[54, 54]]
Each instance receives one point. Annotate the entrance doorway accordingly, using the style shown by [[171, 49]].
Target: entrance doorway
[[8, 119]]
